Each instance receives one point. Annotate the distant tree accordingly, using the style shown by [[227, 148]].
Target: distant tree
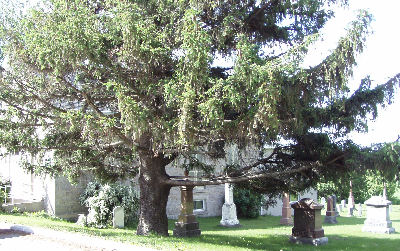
[[123, 88], [378, 166]]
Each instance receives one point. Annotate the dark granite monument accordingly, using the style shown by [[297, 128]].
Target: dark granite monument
[[330, 216], [307, 223]]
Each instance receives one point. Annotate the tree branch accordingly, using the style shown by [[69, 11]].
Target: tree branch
[[89, 101], [184, 181]]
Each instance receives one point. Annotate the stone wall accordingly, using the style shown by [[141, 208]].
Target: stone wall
[[60, 197], [213, 196], [65, 203]]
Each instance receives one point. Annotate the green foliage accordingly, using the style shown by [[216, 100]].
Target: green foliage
[[99, 85], [248, 202], [16, 210], [102, 199], [364, 186]]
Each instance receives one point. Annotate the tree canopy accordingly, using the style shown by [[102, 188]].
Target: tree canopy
[[118, 87]]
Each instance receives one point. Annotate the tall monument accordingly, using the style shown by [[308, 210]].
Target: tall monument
[[229, 216]]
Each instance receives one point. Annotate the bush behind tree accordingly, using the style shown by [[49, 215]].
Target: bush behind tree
[[102, 199], [247, 202]]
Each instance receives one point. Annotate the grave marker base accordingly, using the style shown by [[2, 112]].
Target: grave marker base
[[330, 219], [306, 240]]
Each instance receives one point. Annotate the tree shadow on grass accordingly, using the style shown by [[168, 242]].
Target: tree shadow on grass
[[261, 222], [281, 242], [216, 237], [264, 222]]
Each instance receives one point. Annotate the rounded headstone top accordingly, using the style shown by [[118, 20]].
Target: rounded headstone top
[[306, 203], [377, 201]]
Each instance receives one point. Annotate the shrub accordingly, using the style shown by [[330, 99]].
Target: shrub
[[102, 199], [248, 202]]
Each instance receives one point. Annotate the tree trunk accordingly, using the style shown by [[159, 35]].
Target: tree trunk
[[153, 196]]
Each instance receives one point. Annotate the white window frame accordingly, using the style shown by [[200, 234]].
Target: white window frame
[[199, 209]]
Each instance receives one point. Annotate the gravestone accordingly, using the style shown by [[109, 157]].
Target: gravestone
[[307, 223], [82, 220], [359, 208], [351, 205], [187, 225], [229, 216], [350, 211], [330, 216], [343, 203], [286, 218], [378, 219], [351, 199], [340, 207], [335, 206], [118, 217], [384, 192], [323, 201]]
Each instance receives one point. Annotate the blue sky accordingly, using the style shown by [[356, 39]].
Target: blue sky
[[380, 60]]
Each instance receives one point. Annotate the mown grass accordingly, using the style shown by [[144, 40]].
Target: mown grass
[[263, 233]]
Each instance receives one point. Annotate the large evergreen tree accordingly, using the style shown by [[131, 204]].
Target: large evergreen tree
[[122, 88]]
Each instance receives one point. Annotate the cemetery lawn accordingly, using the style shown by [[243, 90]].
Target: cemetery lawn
[[263, 233]]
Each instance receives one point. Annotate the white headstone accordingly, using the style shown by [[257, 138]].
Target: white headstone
[[343, 203], [378, 219], [359, 208], [228, 193], [118, 217], [229, 216], [323, 201], [82, 220], [338, 208]]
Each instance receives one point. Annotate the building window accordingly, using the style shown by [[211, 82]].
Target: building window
[[199, 205]]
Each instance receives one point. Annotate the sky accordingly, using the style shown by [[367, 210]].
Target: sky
[[380, 60]]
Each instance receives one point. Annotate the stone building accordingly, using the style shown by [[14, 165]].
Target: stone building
[[30, 192], [59, 197]]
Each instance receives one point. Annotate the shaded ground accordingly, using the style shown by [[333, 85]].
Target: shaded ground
[[58, 241], [18, 240]]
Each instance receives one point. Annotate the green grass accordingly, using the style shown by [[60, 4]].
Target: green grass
[[263, 233]]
